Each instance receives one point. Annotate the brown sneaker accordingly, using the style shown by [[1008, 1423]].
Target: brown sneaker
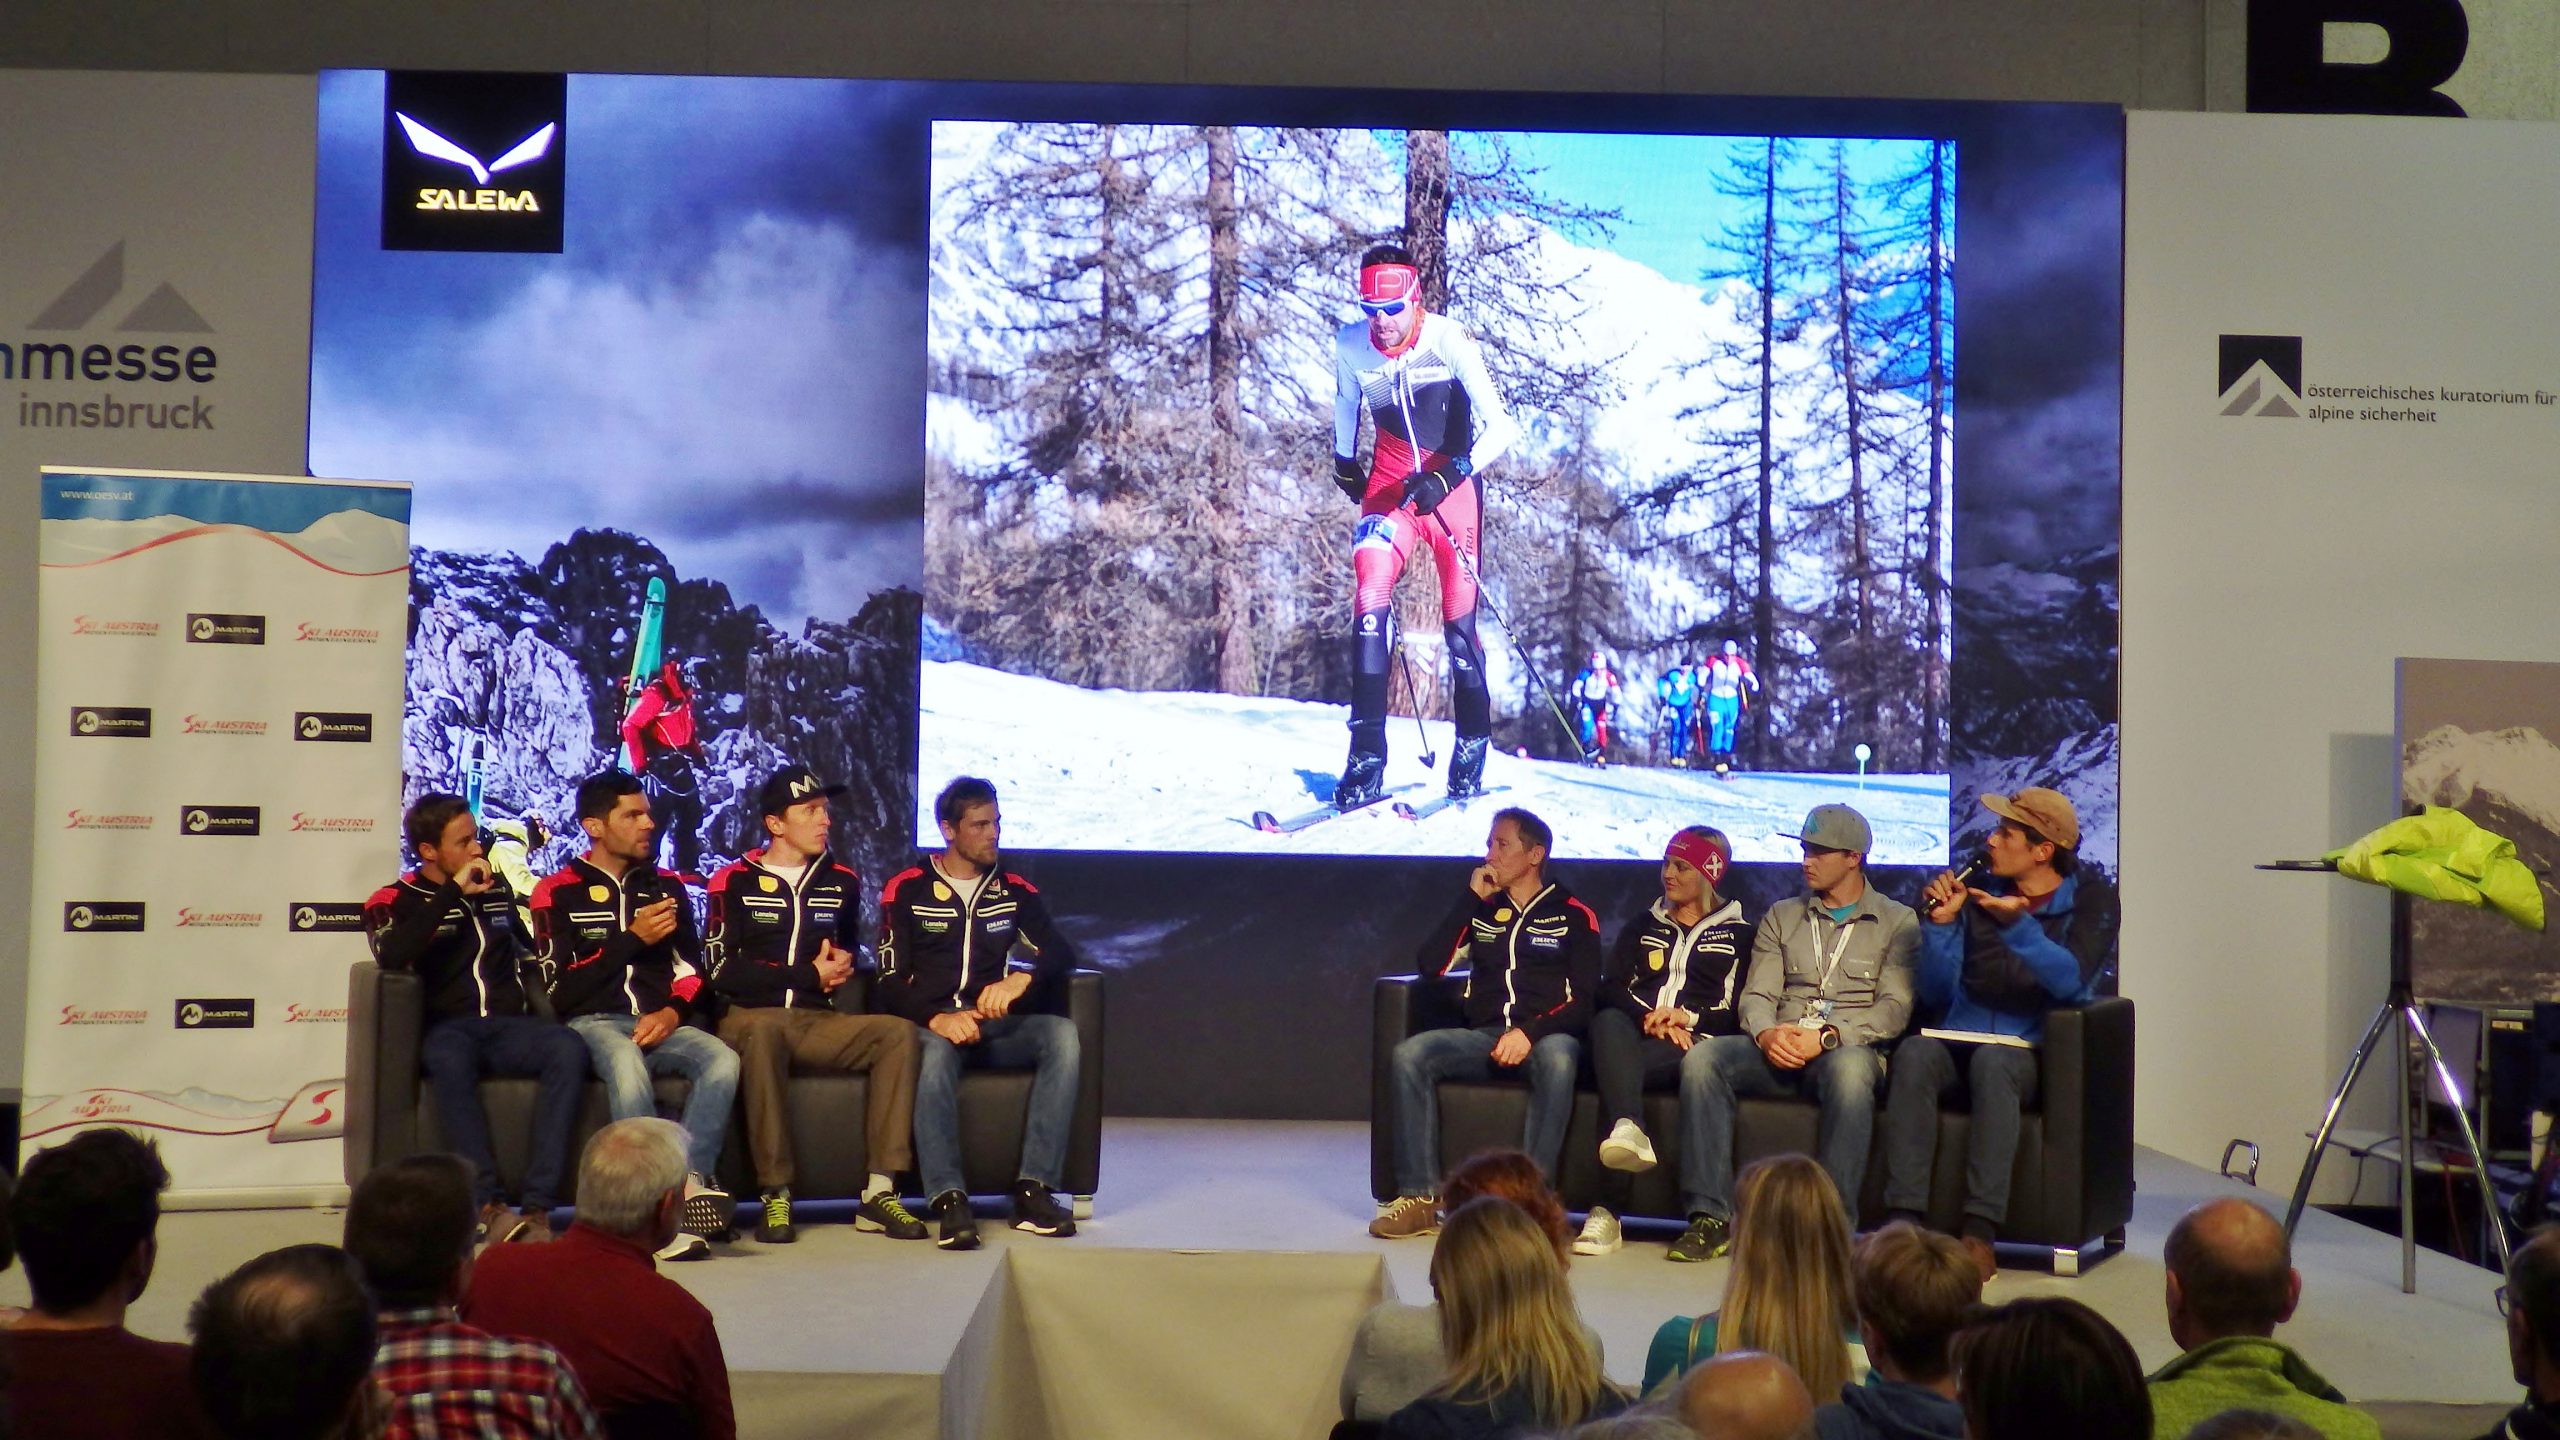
[[1409, 1216], [1985, 1259], [537, 1227], [498, 1224]]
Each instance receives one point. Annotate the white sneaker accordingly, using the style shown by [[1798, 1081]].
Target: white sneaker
[[1627, 1148], [1599, 1233], [686, 1246]]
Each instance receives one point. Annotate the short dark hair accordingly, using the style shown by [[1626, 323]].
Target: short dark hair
[[1385, 253], [429, 816], [282, 1344], [961, 796], [1914, 1290], [2065, 858], [80, 1209], [598, 793], [2533, 1286], [2230, 1289], [409, 1225], [1532, 829], [2048, 1365]]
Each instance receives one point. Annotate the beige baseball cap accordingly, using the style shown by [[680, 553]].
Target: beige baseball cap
[[2047, 812]]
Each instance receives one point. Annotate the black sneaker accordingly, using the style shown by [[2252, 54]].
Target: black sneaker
[[885, 1212], [955, 1222], [1036, 1209], [1707, 1238], [776, 1228]]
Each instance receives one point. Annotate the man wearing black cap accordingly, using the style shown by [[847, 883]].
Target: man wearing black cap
[[777, 919], [1829, 984]]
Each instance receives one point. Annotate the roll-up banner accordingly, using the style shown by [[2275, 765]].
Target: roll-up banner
[[217, 758]]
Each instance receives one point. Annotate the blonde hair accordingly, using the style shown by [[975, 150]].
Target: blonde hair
[[1789, 1290], [1507, 1321]]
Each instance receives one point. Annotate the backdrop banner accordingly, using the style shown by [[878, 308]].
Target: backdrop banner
[[217, 762]]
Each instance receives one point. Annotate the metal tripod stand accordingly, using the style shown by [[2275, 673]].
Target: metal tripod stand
[[2400, 1017]]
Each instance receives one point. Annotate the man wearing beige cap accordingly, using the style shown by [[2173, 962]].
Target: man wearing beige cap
[[2037, 933]]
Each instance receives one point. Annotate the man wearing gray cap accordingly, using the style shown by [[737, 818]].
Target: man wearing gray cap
[[1829, 983], [2037, 933]]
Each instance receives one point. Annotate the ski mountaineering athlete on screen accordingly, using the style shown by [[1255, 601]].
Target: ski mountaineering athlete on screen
[[1438, 421]]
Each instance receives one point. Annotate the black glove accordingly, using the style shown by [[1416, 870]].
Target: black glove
[[1425, 491], [1353, 480]]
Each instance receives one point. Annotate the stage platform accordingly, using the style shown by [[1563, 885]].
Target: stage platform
[[1214, 1291]]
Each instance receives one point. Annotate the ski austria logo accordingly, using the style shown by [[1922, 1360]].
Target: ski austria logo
[[219, 820], [2262, 375], [339, 725], [102, 917], [236, 729], [111, 722], [317, 917], [335, 634], [473, 161], [220, 919], [331, 824], [315, 1014], [217, 1014], [116, 629], [92, 820], [226, 629], [83, 1015]]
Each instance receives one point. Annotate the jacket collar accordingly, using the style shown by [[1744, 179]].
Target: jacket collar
[[1725, 914], [2253, 1352]]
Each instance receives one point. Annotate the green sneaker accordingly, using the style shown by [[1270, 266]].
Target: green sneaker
[[886, 1212], [1707, 1238], [777, 1228]]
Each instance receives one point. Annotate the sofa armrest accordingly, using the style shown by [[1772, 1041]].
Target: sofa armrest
[[2088, 1113], [1391, 1005], [385, 1011], [1082, 1173]]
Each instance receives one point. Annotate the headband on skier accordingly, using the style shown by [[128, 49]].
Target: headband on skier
[[1385, 289], [1701, 852]]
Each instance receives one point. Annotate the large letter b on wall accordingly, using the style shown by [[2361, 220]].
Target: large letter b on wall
[[2288, 74]]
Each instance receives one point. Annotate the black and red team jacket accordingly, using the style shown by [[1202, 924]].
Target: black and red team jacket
[[464, 949], [940, 946], [765, 930], [592, 961], [1533, 967]]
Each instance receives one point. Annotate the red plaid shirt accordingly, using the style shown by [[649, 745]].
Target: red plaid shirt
[[449, 1380]]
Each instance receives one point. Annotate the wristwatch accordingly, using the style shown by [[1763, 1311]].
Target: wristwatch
[[1830, 1037]]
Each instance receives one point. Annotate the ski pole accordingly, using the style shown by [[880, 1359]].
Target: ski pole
[[1484, 597], [1413, 692]]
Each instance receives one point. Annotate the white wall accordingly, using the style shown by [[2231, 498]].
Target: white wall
[[2274, 568]]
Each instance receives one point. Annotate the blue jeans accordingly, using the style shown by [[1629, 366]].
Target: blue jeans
[[1717, 1073], [710, 1067], [1045, 1044], [459, 1051], [2000, 1080], [1422, 1061]]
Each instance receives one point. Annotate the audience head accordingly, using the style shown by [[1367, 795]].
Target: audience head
[[1513, 1176], [2252, 1425], [2047, 1366], [1507, 1322], [2230, 1273], [284, 1347], [409, 1225], [1914, 1289], [631, 1180], [84, 1219], [1644, 1422], [2532, 1303], [1745, 1395], [1788, 1292]]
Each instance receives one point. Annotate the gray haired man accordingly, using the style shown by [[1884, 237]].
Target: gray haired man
[[1830, 982], [643, 1345]]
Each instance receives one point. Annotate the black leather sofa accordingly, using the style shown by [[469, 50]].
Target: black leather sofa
[[2072, 1189], [390, 1113]]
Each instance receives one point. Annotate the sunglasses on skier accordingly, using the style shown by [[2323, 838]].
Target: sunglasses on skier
[[1384, 307]]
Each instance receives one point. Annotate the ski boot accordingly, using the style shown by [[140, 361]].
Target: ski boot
[[1364, 780], [1466, 767]]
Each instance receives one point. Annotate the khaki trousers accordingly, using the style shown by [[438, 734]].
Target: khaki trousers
[[769, 1039]]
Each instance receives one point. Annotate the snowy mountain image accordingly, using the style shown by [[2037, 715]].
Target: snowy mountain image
[[2507, 781]]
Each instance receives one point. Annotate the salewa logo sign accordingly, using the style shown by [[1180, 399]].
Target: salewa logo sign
[[119, 629], [2262, 375], [226, 629], [114, 722], [234, 729], [219, 820], [340, 725], [217, 1014], [96, 917], [82, 303], [317, 917], [473, 161]]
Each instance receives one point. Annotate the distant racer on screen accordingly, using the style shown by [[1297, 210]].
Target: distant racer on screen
[[1438, 420], [1730, 686]]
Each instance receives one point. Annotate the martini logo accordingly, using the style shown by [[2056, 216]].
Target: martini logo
[[101, 917], [92, 820], [83, 1015], [226, 629], [315, 1014], [334, 634], [331, 824], [217, 1014], [115, 629], [473, 161], [236, 729], [219, 820], [340, 725], [111, 722], [220, 919], [2262, 375], [323, 917]]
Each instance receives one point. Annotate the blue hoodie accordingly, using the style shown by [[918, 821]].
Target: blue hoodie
[[1889, 1410]]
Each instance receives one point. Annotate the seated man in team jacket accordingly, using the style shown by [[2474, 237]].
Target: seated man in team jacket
[[1994, 959], [1532, 954], [778, 918], [625, 965], [1671, 982], [946, 928], [452, 922]]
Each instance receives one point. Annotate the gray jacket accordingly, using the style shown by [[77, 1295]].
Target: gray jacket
[[1870, 989]]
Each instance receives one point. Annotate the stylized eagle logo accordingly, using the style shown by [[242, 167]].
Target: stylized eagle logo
[[435, 147], [310, 727]]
